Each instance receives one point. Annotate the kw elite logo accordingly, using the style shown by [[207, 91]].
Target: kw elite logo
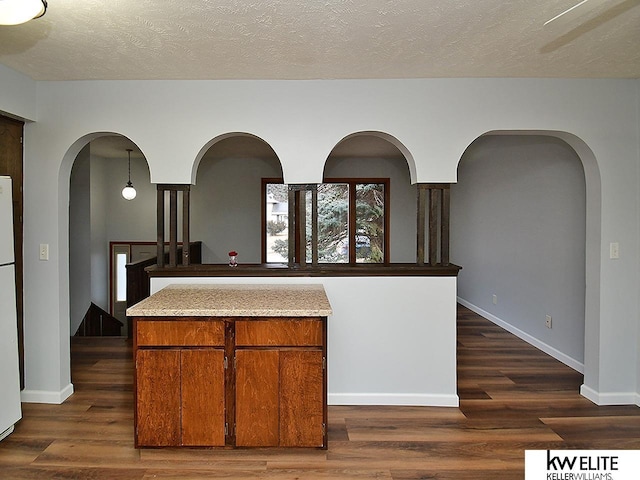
[[581, 464]]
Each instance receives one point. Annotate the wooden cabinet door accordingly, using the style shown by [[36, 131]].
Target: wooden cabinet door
[[257, 403], [279, 398], [157, 398], [301, 398], [203, 392]]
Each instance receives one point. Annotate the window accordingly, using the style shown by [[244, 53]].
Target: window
[[352, 221], [275, 233]]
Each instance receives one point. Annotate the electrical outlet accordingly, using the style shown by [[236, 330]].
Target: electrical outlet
[[44, 251], [495, 299], [547, 321], [614, 250]]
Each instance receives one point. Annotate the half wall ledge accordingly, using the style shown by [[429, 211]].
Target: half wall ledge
[[284, 270]]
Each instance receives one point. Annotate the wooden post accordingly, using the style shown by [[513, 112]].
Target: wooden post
[[160, 227], [173, 224], [433, 226], [314, 225], [186, 247], [444, 225], [421, 225], [438, 195], [302, 227], [173, 228], [292, 226]]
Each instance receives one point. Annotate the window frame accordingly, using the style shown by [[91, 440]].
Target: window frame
[[351, 182]]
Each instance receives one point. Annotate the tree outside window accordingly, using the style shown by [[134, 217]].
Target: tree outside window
[[352, 215]]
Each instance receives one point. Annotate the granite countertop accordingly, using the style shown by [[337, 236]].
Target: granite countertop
[[225, 300]]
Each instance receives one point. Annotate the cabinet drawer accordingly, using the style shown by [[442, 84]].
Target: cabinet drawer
[[180, 333], [279, 332]]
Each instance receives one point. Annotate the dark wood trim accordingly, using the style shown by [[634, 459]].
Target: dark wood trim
[[445, 220], [160, 227], [437, 195], [173, 190], [314, 226], [12, 164], [387, 222], [291, 250], [433, 225], [321, 270], [185, 226], [351, 225], [173, 228], [352, 182], [301, 229], [421, 209], [263, 214]]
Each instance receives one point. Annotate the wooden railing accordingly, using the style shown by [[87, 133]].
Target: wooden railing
[[138, 283], [99, 323]]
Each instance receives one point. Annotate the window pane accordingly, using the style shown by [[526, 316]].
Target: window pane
[[121, 277], [369, 239], [277, 206], [333, 223]]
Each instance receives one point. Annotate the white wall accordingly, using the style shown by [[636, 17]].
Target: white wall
[[80, 239], [17, 95], [434, 119], [98, 227], [376, 356], [98, 214], [129, 221], [518, 228], [226, 206]]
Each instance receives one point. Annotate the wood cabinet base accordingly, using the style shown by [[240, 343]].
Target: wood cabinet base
[[237, 382]]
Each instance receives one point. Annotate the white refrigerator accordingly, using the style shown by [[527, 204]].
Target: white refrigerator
[[10, 409]]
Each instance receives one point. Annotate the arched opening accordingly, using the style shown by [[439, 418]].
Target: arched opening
[[525, 229], [106, 231], [378, 167], [226, 200]]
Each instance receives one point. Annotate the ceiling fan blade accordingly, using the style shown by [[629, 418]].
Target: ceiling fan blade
[[585, 10], [567, 11]]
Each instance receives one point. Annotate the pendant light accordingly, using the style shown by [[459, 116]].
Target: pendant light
[[128, 192], [15, 12]]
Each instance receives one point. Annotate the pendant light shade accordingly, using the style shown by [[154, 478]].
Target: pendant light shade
[[128, 192], [15, 12]]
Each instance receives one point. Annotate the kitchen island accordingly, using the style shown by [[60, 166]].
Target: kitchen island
[[231, 366]]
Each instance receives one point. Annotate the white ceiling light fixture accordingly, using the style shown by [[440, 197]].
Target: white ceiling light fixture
[[15, 12], [128, 192]]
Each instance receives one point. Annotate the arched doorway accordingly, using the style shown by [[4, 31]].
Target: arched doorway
[[100, 217], [544, 188], [226, 202]]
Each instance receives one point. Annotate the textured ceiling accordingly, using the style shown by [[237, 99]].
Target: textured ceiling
[[324, 39]]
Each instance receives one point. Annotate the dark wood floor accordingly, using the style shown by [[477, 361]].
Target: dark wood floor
[[513, 397]]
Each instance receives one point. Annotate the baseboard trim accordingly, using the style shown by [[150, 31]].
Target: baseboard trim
[[548, 349], [394, 399], [6, 433], [44, 396], [616, 398]]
